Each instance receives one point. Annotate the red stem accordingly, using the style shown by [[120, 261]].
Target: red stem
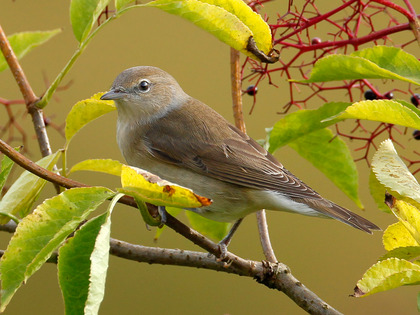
[[316, 20], [411, 17]]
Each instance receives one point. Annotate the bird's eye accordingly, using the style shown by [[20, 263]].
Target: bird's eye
[[144, 86]]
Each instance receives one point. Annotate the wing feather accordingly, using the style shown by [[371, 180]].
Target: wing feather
[[229, 155]]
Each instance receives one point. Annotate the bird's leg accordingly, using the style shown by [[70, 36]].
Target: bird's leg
[[224, 243], [162, 212]]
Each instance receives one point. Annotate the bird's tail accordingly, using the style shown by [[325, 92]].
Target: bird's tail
[[332, 210]]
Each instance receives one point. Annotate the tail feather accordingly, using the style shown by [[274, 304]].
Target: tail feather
[[332, 210]]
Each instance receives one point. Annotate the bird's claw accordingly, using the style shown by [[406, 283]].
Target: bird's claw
[[163, 217]]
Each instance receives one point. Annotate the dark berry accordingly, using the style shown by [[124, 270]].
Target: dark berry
[[389, 95], [416, 134], [370, 95], [316, 40], [47, 121], [251, 90], [415, 99]]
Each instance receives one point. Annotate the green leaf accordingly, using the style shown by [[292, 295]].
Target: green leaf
[[388, 111], [6, 167], [392, 172], [386, 275], [107, 166], [24, 42], [394, 60], [83, 16], [418, 302], [379, 62], [377, 191], [84, 112], [410, 106], [99, 267], [332, 157], [407, 253], [302, 122], [150, 188], [41, 232], [232, 22], [82, 265], [25, 190], [74, 265], [215, 230], [396, 236], [119, 4]]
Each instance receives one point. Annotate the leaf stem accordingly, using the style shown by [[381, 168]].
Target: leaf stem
[[397, 8], [10, 216], [53, 87]]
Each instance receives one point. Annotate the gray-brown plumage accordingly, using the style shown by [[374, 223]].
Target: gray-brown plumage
[[165, 131]]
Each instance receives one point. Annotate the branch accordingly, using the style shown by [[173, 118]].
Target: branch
[[28, 94], [52, 177], [236, 81], [394, 6], [265, 237], [415, 26], [273, 275]]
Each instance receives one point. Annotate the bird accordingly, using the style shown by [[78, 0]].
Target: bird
[[165, 131]]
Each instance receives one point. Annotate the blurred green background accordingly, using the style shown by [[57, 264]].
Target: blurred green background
[[327, 256]]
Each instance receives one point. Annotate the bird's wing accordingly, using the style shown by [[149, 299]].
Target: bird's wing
[[237, 159]]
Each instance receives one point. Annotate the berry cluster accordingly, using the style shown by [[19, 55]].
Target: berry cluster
[[349, 26]]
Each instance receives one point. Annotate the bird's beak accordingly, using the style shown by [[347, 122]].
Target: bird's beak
[[114, 94]]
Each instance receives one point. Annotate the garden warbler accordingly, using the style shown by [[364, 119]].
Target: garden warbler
[[165, 131]]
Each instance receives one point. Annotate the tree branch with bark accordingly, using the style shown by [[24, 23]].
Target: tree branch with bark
[[274, 275]]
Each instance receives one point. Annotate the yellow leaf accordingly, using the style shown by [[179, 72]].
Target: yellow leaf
[[84, 112], [233, 22], [392, 172], [396, 235], [408, 215], [386, 275], [107, 166], [151, 188]]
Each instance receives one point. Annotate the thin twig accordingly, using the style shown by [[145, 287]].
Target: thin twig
[[52, 177], [265, 237], [415, 26], [273, 275], [28, 94], [55, 84], [235, 75], [236, 80]]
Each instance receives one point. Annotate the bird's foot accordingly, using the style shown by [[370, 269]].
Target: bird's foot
[[163, 217], [224, 243], [223, 251]]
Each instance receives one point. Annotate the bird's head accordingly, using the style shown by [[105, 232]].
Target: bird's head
[[145, 93]]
